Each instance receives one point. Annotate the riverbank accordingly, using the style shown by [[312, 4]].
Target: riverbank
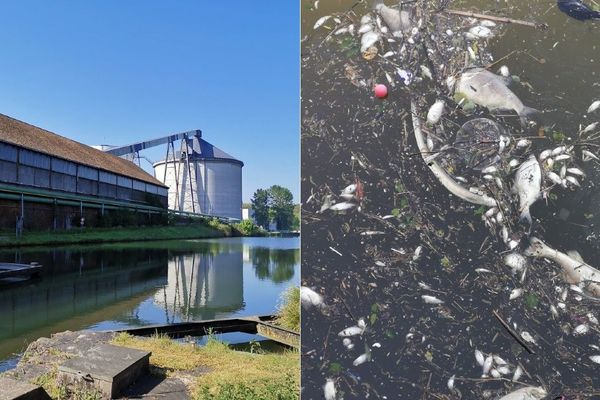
[[185, 370], [120, 234]]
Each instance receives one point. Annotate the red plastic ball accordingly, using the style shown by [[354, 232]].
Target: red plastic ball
[[381, 91]]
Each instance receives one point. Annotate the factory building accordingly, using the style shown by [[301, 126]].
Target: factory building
[[50, 182]]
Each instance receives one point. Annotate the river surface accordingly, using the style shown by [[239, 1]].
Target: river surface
[[363, 265], [129, 285]]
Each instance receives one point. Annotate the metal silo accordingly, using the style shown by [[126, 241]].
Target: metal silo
[[202, 179]]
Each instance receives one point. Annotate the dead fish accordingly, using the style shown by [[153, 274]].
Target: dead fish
[[482, 32], [396, 20], [513, 163], [487, 364], [526, 393], [329, 389], [581, 329], [426, 72], [573, 181], [499, 360], [483, 270], [342, 206], [595, 359], [417, 253], [574, 271], [389, 54], [350, 189], [321, 21], [495, 373], [450, 383], [515, 293], [348, 343], [559, 150], [527, 337], [594, 106], [575, 171], [363, 358], [487, 23], [588, 155], [479, 357], [435, 112], [504, 71], [365, 28], [309, 297], [431, 299], [518, 373], [554, 177], [545, 154], [528, 185], [367, 40], [562, 157], [352, 331], [523, 143], [487, 89], [489, 170], [590, 127]]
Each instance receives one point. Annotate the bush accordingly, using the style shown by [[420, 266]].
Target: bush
[[248, 228], [288, 314]]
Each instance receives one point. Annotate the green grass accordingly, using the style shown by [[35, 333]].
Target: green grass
[[288, 314], [232, 375], [113, 235]]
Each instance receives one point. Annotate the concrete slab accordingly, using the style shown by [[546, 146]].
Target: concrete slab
[[106, 368], [154, 387], [12, 389]]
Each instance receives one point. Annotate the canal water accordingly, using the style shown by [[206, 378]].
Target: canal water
[[129, 285], [362, 263]]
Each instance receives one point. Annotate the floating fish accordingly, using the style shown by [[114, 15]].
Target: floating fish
[[503, 369], [435, 112], [518, 373], [487, 23], [396, 20], [329, 390], [367, 40], [417, 253], [352, 331], [451, 382], [527, 337], [595, 359], [389, 54], [562, 157], [573, 181], [523, 143], [479, 357], [590, 127], [348, 343], [482, 32], [499, 360], [489, 170], [545, 154], [526, 393], [363, 358], [593, 107], [554, 177], [581, 329], [342, 206], [487, 364], [588, 155], [577, 9], [321, 21], [309, 297], [575, 171], [515, 293], [431, 299], [487, 89], [495, 373], [513, 163], [365, 28], [559, 150], [528, 185]]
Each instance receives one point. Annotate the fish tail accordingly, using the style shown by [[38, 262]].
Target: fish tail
[[526, 113]]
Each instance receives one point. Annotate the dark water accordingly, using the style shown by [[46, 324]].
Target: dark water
[[349, 135], [119, 286]]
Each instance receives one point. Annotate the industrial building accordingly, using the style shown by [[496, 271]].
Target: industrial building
[[49, 181], [202, 179]]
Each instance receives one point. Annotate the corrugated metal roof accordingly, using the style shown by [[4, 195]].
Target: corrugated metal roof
[[37, 139], [202, 150]]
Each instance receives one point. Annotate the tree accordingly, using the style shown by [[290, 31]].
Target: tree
[[282, 206], [260, 205]]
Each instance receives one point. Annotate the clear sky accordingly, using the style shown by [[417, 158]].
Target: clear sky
[[116, 72]]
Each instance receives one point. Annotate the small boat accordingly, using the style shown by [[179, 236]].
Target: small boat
[[12, 273]]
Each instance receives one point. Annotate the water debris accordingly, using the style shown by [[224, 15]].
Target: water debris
[[526, 393], [321, 21], [581, 329], [527, 337], [435, 112], [431, 299], [450, 383], [368, 39], [335, 251], [329, 390], [309, 297], [593, 107]]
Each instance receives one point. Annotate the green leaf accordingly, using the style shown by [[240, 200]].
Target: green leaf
[[335, 368], [479, 212], [396, 212], [531, 301]]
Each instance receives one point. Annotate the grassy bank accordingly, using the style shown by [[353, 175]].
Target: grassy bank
[[230, 374], [119, 234]]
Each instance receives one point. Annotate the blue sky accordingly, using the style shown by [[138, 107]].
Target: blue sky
[[117, 72]]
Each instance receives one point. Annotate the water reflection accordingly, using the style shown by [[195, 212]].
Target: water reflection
[[117, 286]]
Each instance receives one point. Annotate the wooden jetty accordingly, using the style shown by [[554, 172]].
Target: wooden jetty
[[18, 272], [259, 325]]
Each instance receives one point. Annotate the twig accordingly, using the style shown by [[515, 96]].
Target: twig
[[492, 18], [512, 332]]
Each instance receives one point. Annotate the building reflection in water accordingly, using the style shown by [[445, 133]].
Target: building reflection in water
[[202, 286]]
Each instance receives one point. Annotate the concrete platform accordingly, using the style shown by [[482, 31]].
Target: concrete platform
[[11, 389], [106, 368]]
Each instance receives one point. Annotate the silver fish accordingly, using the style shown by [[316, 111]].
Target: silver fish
[[523, 143], [517, 374], [479, 357], [363, 358], [489, 90], [590, 127], [515, 293], [594, 106], [554, 177], [526, 393], [575, 171], [545, 154], [573, 181], [431, 299], [352, 331], [435, 112], [451, 383], [321, 21], [329, 390], [487, 364], [528, 185], [309, 297], [342, 206]]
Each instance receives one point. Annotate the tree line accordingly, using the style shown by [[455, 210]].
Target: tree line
[[274, 204]]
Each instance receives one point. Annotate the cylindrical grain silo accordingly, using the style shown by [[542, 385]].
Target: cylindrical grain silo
[[203, 179]]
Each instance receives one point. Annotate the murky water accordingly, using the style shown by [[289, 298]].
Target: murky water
[[349, 135], [119, 286]]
